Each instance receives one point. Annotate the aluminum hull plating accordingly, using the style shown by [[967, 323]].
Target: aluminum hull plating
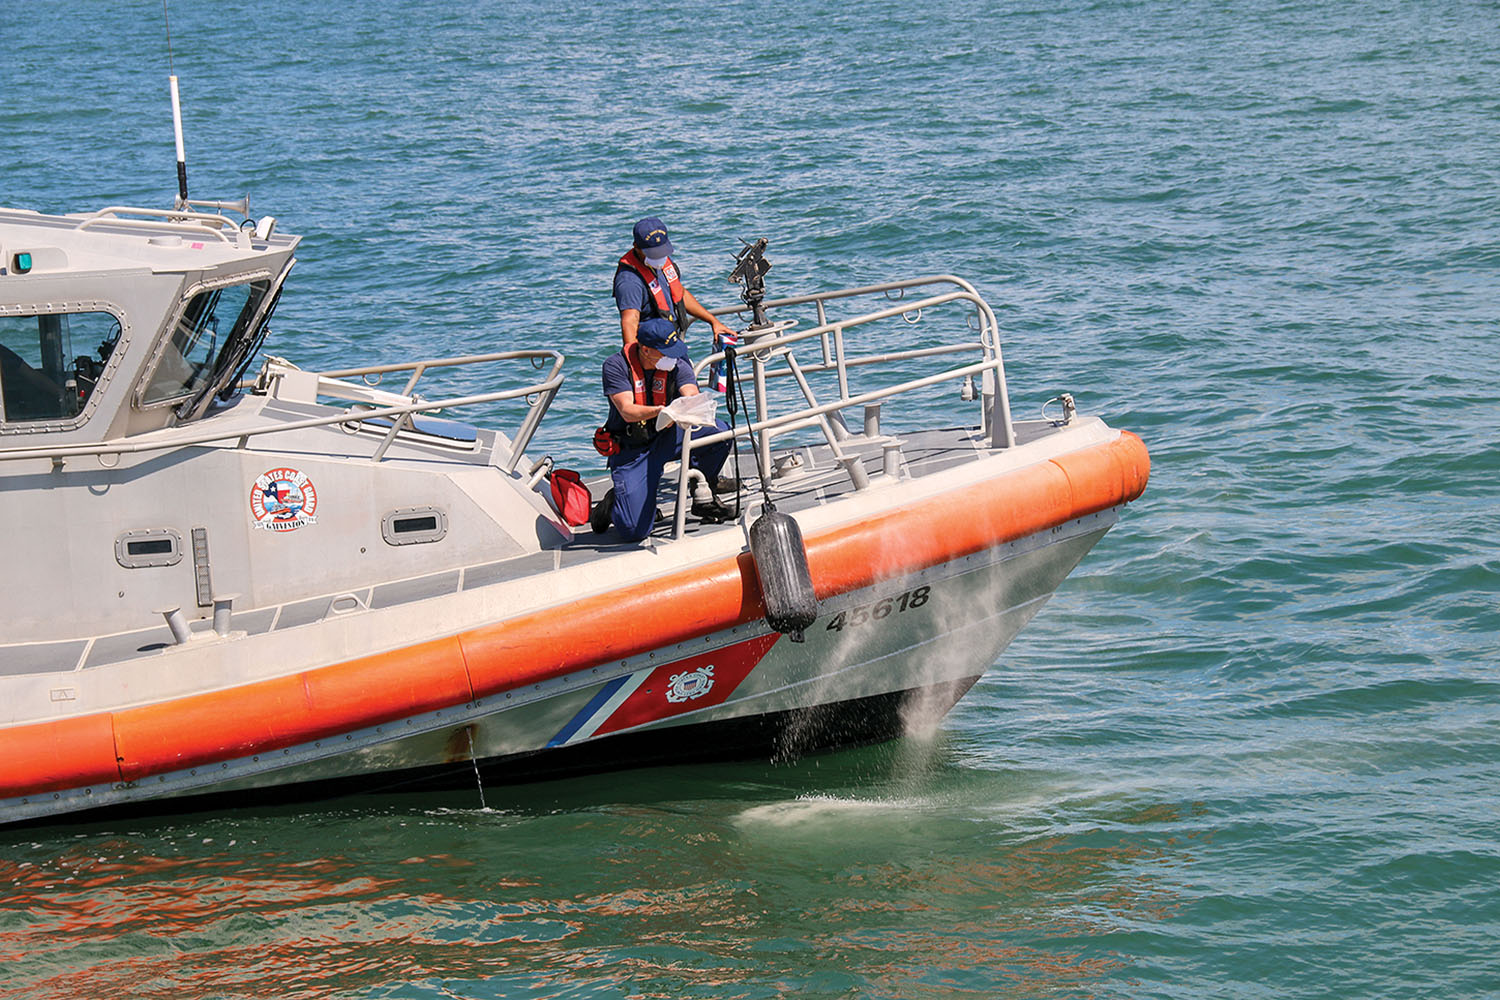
[[881, 660], [924, 593]]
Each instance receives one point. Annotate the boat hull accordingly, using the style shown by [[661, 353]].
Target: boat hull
[[881, 661], [915, 603]]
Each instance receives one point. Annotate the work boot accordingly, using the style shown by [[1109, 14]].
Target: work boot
[[712, 512], [603, 511]]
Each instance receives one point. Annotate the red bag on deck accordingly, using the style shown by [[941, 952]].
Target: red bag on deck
[[571, 497]]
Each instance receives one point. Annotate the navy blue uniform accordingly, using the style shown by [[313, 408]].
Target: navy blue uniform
[[636, 470]]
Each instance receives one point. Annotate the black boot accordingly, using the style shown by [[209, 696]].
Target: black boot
[[599, 517]]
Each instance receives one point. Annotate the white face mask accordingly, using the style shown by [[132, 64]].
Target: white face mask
[[665, 363]]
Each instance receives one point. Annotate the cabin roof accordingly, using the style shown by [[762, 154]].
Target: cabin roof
[[119, 238]]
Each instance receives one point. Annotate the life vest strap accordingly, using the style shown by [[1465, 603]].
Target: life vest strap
[[655, 390], [673, 307]]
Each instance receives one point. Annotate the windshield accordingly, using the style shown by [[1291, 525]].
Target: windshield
[[214, 324]]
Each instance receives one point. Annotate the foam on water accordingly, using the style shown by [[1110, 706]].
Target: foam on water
[[823, 810]]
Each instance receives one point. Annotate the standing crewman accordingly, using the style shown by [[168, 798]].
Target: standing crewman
[[640, 380], [649, 290]]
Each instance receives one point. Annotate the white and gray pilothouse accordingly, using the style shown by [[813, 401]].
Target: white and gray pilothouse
[[229, 581]]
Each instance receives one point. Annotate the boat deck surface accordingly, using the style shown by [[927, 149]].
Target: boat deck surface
[[818, 479]]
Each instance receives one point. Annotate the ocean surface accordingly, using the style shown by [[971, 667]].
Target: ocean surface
[[1251, 748]]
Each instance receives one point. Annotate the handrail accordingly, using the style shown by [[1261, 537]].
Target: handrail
[[545, 390], [174, 221], [987, 315], [783, 339], [418, 368], [882, 359], [1002, 428], [780, 340], [803, 418]]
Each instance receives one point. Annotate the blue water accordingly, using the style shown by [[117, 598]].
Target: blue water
[[1252, 747]]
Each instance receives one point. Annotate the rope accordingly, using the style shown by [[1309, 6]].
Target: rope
[[736, 386]]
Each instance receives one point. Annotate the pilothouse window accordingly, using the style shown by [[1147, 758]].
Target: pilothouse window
[[214, 326], [51, 362]]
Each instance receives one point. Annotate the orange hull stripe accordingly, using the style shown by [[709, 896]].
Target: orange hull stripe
[[267, 715], [64, 753], [330, 701]]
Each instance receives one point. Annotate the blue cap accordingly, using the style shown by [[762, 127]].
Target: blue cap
[[661, 335], [651, 240]]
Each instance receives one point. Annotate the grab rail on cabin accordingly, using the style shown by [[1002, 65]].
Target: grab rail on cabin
[[164, 220], [365, 394], [763, 348], [383, 405]]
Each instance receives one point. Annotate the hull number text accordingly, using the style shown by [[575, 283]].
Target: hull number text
[[883, 608]]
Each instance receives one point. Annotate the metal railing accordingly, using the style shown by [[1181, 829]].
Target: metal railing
[[176, 221], [331, 384], [763, 348], [772, 353], [539, 397]]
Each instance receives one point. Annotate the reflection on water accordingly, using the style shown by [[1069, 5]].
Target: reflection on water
[[726, 881]]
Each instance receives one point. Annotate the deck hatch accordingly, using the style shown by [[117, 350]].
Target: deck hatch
[[148, 547]]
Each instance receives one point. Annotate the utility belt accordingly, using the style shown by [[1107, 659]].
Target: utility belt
[[607, 442]]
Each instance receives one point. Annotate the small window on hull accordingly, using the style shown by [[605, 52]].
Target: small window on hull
[[414, 525], [51, 362], [149, 547]]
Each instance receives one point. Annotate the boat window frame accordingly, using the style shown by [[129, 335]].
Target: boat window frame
[[165, 332], [394, 534], [224, 384], [70, 307], [144, 560]]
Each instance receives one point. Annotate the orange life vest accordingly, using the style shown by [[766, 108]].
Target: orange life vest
[[671, 307], [655, 390]]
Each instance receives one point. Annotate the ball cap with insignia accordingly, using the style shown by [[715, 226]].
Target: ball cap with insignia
[[651, 240], [660, 336]]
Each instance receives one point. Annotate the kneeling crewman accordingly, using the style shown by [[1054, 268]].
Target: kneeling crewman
[[639, 381]]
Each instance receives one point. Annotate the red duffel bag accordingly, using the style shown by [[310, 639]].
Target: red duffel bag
[[572, 498]]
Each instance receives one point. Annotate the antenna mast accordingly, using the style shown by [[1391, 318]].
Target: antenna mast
[[176, 115]]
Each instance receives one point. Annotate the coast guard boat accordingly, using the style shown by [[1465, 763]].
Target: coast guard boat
[[232, 578]]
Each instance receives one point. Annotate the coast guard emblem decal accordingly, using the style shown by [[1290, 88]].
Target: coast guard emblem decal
[[655, 693], [691, 684], [283, 500]]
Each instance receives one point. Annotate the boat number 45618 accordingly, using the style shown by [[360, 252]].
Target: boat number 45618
[[883, 608]]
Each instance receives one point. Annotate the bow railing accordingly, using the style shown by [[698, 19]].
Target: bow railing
[[773, 352]]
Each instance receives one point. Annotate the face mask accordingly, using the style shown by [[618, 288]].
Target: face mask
[[665, 363]]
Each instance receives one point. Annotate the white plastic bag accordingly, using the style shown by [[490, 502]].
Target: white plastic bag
[[689, 411]]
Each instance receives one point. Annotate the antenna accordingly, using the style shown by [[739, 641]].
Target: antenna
[[176, 115]]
